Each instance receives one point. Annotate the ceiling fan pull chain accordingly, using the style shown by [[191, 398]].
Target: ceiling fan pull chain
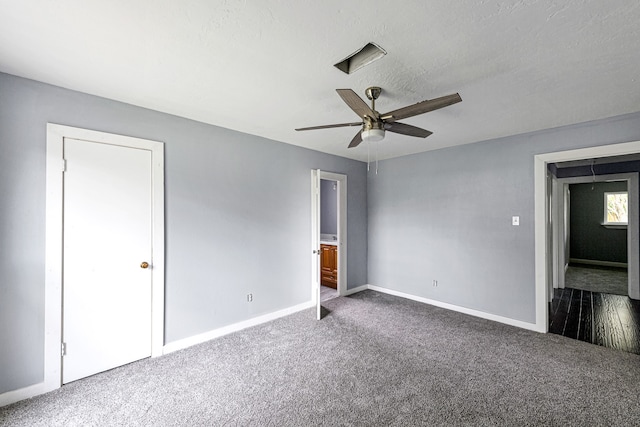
[[376, 157], [368, 156]]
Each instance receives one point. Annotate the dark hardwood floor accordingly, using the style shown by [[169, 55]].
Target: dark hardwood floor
[[598, 318]]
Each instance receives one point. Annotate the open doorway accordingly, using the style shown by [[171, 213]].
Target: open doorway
[[546, 257], [594, 286], [586, 243], [598, 255], [328, 239], [329, 236]]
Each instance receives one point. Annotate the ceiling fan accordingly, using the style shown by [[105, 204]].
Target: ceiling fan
[[375, 124]]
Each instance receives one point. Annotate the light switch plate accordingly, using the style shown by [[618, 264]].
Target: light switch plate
[[515, 220]]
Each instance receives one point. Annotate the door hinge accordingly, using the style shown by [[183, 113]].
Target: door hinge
[[63, 349], [64, 165]]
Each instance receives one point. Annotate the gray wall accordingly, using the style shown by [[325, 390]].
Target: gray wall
[[328, 207], [238, 218], [589, 239], [446, 215]]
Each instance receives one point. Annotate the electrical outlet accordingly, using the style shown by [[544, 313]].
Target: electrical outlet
[[249, 297], [435, 283], [515, 220]]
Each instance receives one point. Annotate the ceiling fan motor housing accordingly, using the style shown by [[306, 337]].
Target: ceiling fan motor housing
[[372, 123], [372, 129]]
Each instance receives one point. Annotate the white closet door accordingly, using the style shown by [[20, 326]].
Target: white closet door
[[107, 241]]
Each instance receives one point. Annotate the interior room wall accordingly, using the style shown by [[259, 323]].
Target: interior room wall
[[328, 207], [589, 239], [446, 215], [238, 218]]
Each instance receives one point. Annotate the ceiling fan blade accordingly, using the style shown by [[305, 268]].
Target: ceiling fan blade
[[331, 126], [356, 103], [356, 140], [406, 129], [421, 107]]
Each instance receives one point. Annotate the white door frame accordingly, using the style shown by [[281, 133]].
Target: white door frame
[[550, 224], [315, 242], [54, 231], [540, 163], [341, 180]]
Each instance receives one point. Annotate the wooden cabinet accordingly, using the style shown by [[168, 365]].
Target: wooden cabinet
[[329, 266]]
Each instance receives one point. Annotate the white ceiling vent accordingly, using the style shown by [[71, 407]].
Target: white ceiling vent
[[364, 56]]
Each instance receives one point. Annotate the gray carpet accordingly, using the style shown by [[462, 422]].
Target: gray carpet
[[590, 278], [374, 360]]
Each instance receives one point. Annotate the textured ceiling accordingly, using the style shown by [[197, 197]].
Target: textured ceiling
[[266, 67]]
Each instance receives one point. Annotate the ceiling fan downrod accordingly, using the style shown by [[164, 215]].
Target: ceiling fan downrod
[[373, 93]]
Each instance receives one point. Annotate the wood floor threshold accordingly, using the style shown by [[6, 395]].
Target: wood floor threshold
[[598, 318]]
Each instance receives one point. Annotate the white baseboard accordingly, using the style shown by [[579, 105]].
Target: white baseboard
[[41, 388], [225, 330], [355, 290], [600, 263], [14, 396], [472, 312]]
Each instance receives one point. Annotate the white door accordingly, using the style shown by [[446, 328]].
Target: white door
[[315, 240], [107, 238]]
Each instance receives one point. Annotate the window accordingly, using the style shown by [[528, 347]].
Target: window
[[615, 208]]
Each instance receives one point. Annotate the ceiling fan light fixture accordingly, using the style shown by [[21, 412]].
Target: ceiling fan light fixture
[[372, 135]]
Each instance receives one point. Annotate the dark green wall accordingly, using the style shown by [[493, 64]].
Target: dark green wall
[[589, 239]]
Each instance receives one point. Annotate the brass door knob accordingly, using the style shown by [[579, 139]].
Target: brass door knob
[[144, 265]]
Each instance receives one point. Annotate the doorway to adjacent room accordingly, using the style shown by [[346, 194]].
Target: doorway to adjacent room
[[328, 239], [575, 305], [329, 235]]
